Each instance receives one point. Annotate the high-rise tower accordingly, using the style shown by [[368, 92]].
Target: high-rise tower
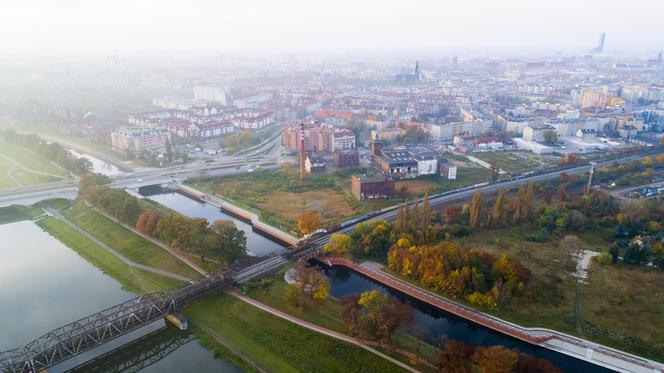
[[600, 47]]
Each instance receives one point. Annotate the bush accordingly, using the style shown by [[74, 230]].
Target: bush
[[604, 258], [541, 235]]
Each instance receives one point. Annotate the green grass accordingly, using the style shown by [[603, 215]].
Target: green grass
[[278, 344], [514, 161], [125, 241], [30, 159], [13, 213], [28, 178], [328, 315], [132, 279]]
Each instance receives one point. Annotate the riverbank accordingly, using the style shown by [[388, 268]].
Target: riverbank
[[279, 345], [132, 279], [563, 343], [124, 241]]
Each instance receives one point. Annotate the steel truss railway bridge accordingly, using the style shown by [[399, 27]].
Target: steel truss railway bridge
[[82, 335]]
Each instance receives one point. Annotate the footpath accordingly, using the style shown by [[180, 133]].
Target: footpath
[[318, 329], [155, 241], [111, 251]]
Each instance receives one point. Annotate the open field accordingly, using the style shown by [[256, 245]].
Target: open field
[[621, 306], [277, 196], [279, 345], [328, 203], [30, 159], [132, 279], [515, 161], [124, 241]]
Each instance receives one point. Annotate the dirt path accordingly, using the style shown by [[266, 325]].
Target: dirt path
[[319, 329]]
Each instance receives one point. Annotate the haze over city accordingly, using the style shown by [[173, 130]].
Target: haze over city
[[37, 27], [347, 186]]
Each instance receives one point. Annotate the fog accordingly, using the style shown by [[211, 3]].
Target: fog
[[44, 27]]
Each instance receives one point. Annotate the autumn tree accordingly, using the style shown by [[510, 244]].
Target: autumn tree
[[496, 359], [454, 356], [372, 238], [147, 222], [497, 211], [372, 315], [529, 364], [308, 221], [309, 284], [451, 214], [475, 209], [339, 244]]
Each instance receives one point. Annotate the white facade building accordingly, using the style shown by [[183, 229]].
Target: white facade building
[[210, 93]]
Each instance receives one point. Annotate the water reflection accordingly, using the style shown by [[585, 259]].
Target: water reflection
[[98, 165], [434, 325], [256, 244]]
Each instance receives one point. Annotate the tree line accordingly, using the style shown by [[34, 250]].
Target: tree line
[[52, 151], [220, 239], [459, 357]]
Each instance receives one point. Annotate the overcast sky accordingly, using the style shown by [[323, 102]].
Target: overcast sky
[[124, 26]]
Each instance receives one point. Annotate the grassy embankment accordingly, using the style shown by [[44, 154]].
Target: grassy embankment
[[30, 160], [124, 241], [277, 196], [132, 279], [13, 213], [278, 345], [328, 316]]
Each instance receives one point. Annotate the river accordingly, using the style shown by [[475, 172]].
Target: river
[[257, 244], [430, 323], [44, 285], [434, 325], [98, 165]]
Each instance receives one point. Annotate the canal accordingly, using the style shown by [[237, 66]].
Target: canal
[[435, 325], [257, 244], [44, 285]]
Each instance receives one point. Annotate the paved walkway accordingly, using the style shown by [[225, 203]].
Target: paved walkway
[[111, 251], [319, 329], [155, 241]]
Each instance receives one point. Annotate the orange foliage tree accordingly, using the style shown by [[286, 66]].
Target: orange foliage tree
[[308, 222]]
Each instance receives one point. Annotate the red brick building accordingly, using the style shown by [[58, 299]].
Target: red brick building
[[372, 186], [346, 158]]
